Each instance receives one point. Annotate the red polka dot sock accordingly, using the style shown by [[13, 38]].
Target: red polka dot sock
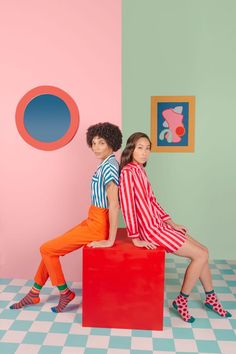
[[66, 296], [181, 305], [31, 298], [213, 304]]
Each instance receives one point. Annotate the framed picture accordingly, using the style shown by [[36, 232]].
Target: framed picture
[[172, 123]]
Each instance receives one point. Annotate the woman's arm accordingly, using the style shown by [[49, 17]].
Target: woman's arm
[[160, 211], [176, 226], [127, 202], [113, 203], [163, 215], [140, 243]]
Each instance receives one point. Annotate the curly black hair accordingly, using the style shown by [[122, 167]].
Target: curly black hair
[[109, 132]]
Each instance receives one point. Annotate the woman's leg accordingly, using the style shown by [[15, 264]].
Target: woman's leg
[[60, 246], [50, 266], [198, 257], [192, 249], [205, 276], [211, 299], [32, 297], [95, 228]]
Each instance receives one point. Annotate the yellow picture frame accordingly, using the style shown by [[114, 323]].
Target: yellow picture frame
[[172, 123]]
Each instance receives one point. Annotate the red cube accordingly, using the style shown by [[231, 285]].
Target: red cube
[[123, 286]]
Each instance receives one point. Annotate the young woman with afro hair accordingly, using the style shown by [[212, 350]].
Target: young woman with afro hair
[[98, 230]]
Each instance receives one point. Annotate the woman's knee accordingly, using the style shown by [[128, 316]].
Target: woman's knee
[[199, 253], [44, 248], [204, 254]]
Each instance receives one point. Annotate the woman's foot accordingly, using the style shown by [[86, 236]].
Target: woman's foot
[[65, 298], [214, 304], [32, 298], [180, 304]]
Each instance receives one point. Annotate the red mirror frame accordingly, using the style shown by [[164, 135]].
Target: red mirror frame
[[74, 117]]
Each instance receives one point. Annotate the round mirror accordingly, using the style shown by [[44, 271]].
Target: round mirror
[[47, 117]]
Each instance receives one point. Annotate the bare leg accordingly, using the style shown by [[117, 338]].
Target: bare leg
[[206, 279], [198, 268], [205, 276], [199, 259]]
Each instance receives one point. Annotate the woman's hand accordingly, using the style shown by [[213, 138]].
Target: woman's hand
[[180, 228], [177, 226], [139, 243], [102, 243]]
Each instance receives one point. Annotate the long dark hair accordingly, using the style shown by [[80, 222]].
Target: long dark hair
[[127, 154]]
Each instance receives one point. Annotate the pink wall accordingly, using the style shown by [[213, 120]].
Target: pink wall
[[76, 46]]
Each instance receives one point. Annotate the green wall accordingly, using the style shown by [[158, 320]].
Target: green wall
[[187, 47]]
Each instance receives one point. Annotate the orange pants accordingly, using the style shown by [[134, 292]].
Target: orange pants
[[94, 228]]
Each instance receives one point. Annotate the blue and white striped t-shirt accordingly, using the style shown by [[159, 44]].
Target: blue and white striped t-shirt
[[107, 171]]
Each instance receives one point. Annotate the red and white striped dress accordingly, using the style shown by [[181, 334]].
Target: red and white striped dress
[[143, 215]]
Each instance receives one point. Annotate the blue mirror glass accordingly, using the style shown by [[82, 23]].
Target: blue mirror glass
[[47, 118]]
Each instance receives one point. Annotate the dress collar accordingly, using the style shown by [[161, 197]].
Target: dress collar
[[136, 165]]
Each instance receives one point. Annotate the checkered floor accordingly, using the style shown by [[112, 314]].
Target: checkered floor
[[38, 330]]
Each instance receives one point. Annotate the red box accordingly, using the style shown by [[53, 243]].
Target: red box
[[123, 286]]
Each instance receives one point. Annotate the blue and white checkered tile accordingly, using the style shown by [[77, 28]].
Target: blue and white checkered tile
[[36, 329]]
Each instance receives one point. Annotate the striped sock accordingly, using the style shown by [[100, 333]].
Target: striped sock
[[181, 305], [31, 298], [213, 304], [66, 296]]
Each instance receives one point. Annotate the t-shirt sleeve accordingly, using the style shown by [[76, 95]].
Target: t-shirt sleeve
[[110, 174]]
